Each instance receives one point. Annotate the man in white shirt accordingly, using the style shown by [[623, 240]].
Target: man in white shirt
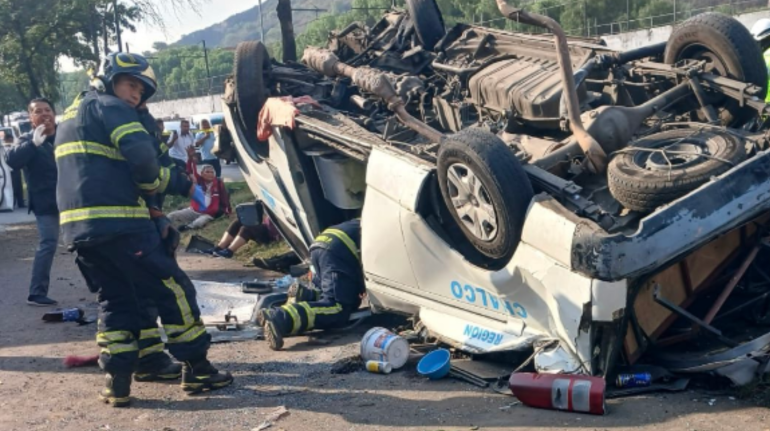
[[178, 144]]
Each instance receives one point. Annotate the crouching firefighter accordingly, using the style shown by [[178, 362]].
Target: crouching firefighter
[[107, 161], [338, 282]]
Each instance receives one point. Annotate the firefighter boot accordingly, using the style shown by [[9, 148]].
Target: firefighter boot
[[200, 375], [160, 368], [262, 316], [272, 332], [117, 390]]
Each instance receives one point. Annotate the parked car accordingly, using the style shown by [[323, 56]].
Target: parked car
[[518, 188]]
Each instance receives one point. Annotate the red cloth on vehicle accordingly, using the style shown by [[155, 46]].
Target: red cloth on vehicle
[[280, 111], [220, 200]]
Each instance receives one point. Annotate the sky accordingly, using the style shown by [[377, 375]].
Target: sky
[[178, 24]]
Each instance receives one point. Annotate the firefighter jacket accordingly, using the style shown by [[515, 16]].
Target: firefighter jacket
[[106, 159], [344, 242]]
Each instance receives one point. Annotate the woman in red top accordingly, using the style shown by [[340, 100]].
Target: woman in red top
[[216, 201]]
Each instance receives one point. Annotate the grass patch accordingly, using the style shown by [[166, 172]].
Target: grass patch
[[239, 193]]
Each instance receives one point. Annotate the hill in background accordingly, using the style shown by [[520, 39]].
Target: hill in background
[[245, 25]]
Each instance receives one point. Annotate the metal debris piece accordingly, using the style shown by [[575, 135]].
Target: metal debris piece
[[278, 413], [272, 418]]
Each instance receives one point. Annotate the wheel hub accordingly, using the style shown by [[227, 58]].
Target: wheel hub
[[675, 156], [471, 202]]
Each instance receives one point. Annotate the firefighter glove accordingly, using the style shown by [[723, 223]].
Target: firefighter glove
[[168, 234]]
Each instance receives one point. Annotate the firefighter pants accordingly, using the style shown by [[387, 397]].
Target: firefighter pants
[[136, 266], [296, 318], [150, 344]]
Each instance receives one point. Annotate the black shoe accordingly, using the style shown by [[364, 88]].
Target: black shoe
[[163, 369], [272, 334], [226, 253], [211, 250], [203, 376], [183, 228], [40, 301], [117, 390]]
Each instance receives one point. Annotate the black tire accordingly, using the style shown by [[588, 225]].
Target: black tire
[[428, 22], [730, 50], [251, 62], [643, 181], [505, 186]]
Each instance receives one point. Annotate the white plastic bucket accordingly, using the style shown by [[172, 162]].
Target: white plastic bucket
[[381, 345]]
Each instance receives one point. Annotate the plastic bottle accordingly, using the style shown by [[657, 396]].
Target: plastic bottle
[[284, 282], [379, 367], [68, 315]]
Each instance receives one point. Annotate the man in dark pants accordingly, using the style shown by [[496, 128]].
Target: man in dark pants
[[154, 364], [16, 183], [107, 160], [35, 154], [339, 280]]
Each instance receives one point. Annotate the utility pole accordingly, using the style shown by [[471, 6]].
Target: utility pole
[[287, 30], [261, 24], [628, 15], [674, 11], [206, 59], [117, 25]]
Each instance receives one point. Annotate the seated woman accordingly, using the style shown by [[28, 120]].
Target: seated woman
[[237, 235], [216, 200]]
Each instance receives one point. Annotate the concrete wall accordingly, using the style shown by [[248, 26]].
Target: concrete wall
[[640, 38], [186, 108]]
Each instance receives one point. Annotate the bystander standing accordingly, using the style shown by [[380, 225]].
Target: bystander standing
[[179, 143], [205, 141], [35, 154]]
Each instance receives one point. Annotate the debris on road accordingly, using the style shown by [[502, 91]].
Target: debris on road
[[378, 367], [272, 418], [64, 315], [435, 365], [379, 344], [576, 393], [73, 361]]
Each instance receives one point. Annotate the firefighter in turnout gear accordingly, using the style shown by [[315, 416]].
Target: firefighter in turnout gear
[[154, 363], [107, 161], [338, 279], [761, 32]]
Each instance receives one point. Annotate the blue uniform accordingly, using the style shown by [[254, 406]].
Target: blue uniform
[[338, 277], [107, 161]]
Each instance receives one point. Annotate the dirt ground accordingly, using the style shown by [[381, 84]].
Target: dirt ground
[[38, 393]]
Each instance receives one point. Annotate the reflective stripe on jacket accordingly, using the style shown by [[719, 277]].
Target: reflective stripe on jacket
[[106, 160], [344, 240]]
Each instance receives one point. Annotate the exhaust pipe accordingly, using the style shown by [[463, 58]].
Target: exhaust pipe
[[373, 81], [597, 158]]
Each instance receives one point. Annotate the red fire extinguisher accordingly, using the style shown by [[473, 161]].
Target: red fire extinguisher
[[574, 393]]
